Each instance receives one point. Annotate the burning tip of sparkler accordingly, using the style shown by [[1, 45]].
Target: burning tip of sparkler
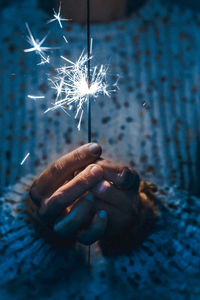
[[72, 89]]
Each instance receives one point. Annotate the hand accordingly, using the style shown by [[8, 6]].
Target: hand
[[59, 192], [56, 188]]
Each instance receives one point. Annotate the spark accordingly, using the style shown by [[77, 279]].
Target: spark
[[36, 44], [91, 44], [37, 47], [71, 85], [71, 79], [65, 39], [25, 158], [145, 105], [57, 17], [35, 97], [44, 60]]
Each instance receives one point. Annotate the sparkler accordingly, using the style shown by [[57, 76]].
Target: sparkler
[[89, 85], [76, 83], [88, 71], [57, 17], [72, 89]]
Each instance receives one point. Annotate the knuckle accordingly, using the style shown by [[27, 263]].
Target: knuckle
[[78, 155], [83, 181], [56, 167], [85, 178]]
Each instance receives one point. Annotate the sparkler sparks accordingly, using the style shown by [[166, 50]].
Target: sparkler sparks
[[71, 85], [65, 39], [25, 158], [37, 46], [35, 97], [35, 43], [57, 17], [71, 79]]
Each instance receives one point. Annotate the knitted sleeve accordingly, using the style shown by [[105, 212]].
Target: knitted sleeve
[[23, 252]]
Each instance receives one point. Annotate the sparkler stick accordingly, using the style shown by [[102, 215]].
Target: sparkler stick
[[88, 62], [89, 82]]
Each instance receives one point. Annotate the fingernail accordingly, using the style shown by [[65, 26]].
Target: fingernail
[[102, 214], [126, 177], [103, 186], [94, 148], [96, 170]]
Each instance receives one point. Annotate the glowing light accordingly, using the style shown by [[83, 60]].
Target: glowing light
[[65, 39], [71, 85], [25, 158], [35, 43], [57, 17], [91, 45], [44, 60], [35, 97], [71, 79], [37, 46]]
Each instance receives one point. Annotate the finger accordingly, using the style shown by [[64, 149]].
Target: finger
[[77, 217], [121, 176], [95, 231], [69, 192], [63, 169], [117, 220], [107, 192]]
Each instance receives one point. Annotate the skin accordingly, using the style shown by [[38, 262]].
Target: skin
[[100, 10], [85, 197]]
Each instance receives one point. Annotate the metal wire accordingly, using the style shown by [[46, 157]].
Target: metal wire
[[89, 100]]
